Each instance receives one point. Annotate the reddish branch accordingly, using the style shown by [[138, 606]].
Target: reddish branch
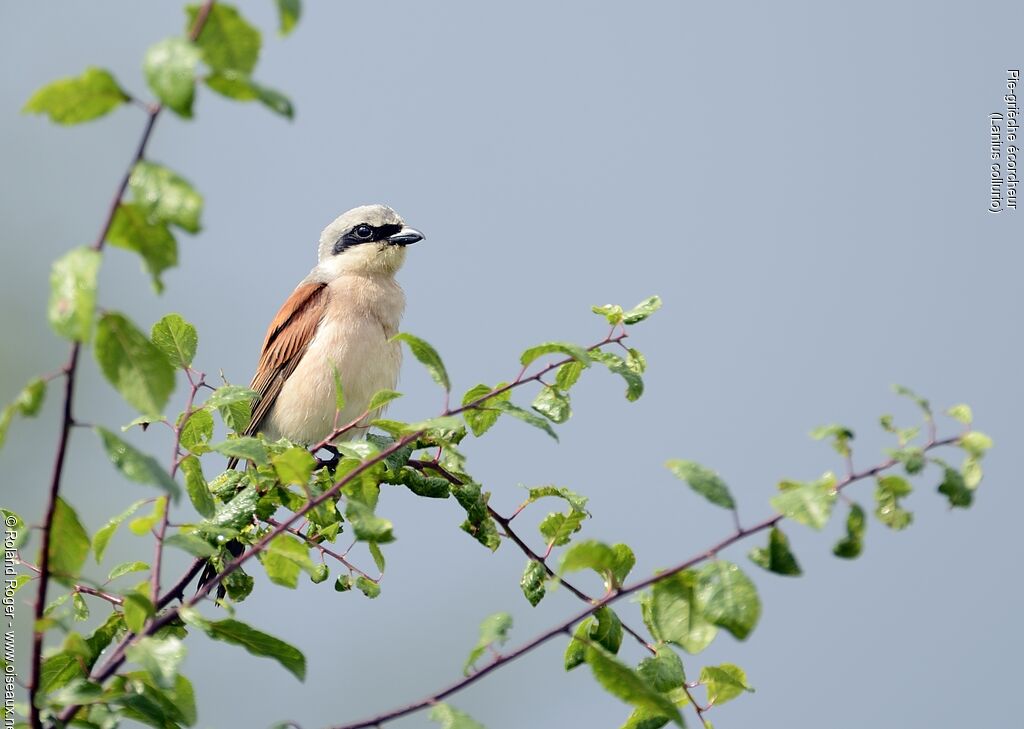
[[566, 627], [117, 655], [70, 372]]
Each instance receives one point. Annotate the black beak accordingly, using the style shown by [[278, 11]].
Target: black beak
[[406, 236]]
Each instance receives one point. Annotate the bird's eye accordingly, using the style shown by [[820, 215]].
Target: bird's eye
[[364, 232]]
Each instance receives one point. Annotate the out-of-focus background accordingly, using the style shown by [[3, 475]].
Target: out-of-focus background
[[806, 186]]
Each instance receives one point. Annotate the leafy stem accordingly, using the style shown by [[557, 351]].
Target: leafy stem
[[565, 627], [70, 373]]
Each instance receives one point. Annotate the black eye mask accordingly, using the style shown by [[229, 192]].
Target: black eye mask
[[377, 234]]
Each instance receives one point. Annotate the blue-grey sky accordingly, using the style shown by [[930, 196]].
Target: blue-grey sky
[[804, 183]]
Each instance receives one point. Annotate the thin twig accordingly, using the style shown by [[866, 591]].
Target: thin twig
[[175, 462], [322, 549]]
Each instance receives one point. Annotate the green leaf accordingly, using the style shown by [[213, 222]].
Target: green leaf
[[704, 481], [451, 718], [975, 443], [80, 609], [236, 513], [427, 356], [102, 537], [294, 466], [166, 197], [78, 98], [126, 568], [130, 362], [228, 41], [378, 556], [911, 457], [382, 398], [73, 293], [642, 310], [254, 641], [808, 503], [240, 87], [575, 500], [244, 448], [575, 351], [568, 374], [198, 490], [624, 560], [197, 432], [961, 413], [192, 544], [623, 682], [170, 70], [645, 719], [612, 312], [320, 573], [663, 671], [493, 630], [153, 241], [161, 658], [636, 361], [607, 631], [526, 416], [284, 558], [677, 615], [15, 530], [532, 582], [343, 583], [724, 682], [27, 404], [368, 527], [589, 554], [368, 587], [850, 546], [288, 12], [69, 542], [145, 524], [840, 435], [920, 401], [776, 557], [888, 491], [229, 395], [558, 529], [971, 472], [576, 651], [137, 610], [481, 417], [59, 670], [136, 465], [478, 523], [955, 489], [729, 598], [552, 404], [618, 366]]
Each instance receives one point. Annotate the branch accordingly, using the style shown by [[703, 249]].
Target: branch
[[505, 522], [175, 462], [566, 626], [70, 372], [322, 549], [117, 656]]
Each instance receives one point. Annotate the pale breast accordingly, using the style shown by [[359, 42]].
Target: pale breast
[[362, 315]]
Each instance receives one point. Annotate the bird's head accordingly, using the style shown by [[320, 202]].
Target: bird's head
[[367, 239]]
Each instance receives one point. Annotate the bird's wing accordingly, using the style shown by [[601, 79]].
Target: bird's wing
[[288, 335]]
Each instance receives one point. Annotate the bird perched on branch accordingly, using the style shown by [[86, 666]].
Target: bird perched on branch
[[341, 317]]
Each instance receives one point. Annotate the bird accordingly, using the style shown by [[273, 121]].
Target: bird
[[341, 318]]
